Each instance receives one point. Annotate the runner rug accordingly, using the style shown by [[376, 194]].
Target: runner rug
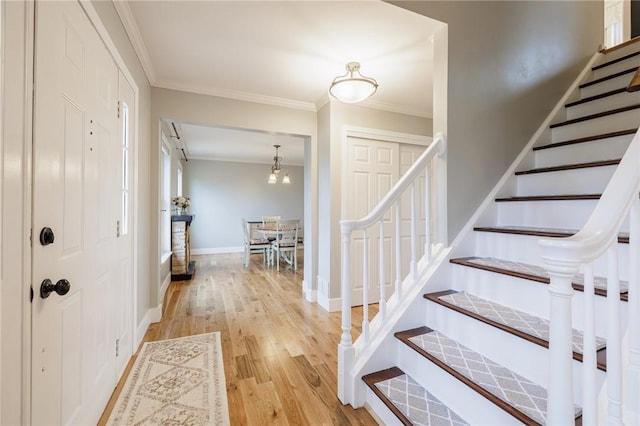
[[176, 382]]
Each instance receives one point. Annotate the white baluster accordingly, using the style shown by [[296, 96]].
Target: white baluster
[[382, 304], [589, 362], [614, 341], [346, 351], [427, 213], [633, 381], [560, 386], [365, 287], [398, 253], [414, 235]]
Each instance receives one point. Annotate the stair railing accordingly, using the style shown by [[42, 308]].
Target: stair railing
[[431, 167], [563, 257]]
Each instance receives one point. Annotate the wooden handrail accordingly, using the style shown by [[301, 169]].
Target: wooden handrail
[[634, 86]]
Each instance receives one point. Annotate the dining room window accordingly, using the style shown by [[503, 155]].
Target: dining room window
[[165, 207]]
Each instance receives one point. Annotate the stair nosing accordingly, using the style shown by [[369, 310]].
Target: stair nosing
[[464, 261], [435, 298], [587, 139], [568, 197], [596, 97], [615, 61], [576, 166], [538, 233], [404, 336], [608, 77], [595, 116]]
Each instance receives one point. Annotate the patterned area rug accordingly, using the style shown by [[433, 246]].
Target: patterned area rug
[[175, 382]]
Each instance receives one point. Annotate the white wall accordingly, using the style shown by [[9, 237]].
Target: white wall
[[223, 192]]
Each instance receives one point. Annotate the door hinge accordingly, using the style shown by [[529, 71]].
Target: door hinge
[[118, 109], [117, 347], [117, 228]]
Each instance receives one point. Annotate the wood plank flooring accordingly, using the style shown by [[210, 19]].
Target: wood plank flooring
[[280, 352]]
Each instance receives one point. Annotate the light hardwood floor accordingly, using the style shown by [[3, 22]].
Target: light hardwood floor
[[280, 352]]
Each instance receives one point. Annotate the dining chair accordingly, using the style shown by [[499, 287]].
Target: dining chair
[[253, 245], [270, 220], [287, 242]]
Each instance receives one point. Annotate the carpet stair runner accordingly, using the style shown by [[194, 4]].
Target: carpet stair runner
[[585, 144]]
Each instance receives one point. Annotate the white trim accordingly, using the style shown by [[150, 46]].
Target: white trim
[[385, 135], [383, 106], [217, 250], [164, 286], [132, 30], [310, 295], [152, 315], [330, 305]]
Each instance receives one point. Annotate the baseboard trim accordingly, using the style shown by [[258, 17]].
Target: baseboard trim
[[164, 286], [152, 315], [217, 250]]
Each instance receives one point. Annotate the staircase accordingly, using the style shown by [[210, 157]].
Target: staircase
[[475, 348]]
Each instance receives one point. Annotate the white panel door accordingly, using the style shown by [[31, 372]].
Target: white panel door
[[372, 169], [74, 191], [408, 155]]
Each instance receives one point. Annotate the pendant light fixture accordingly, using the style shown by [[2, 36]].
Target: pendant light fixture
[[275, 169], [353, 87]]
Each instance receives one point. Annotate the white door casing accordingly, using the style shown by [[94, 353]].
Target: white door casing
[[75, 192]]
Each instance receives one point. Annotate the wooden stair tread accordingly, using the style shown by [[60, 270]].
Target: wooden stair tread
[[587, 139], [608, 77], [431, 344], [615, 61], [596, 97], [567, 197], [534, 273], [527, 327], [539, 232], [420, 405], [602, 163], [594, 116]]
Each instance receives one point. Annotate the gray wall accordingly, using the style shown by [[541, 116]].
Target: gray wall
[[223, 192], [509, 63]]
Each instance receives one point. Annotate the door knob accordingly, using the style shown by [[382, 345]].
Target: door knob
[[46, 236], [47, 287]]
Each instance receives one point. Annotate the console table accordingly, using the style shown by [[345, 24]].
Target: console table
[[182, 267]]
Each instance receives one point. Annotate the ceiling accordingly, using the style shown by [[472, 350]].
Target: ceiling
[[283, 53]]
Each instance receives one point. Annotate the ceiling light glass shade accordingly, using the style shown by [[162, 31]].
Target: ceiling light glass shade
[[273, 178], [286, 179], [353, 87]]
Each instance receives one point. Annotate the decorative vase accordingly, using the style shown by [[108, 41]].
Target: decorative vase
[[183, 210]]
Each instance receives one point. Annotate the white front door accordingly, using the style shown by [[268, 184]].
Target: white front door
[[75, 187], [372, 169]]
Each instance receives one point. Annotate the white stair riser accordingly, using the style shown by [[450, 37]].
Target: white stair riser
[[605, 104], [634, 61], [590, 180], [546, 214], [620, 52], [606, 86], [602, 149], [526, 295], [382, 411], [610, 123], [460, 398], [525, 249]]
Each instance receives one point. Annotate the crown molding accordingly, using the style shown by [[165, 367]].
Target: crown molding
[[245, 160], [132, 30]]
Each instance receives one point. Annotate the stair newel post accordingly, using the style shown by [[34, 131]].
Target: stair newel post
[[398, 253], [560, 387], [382, 304], [614, 340], [427, 213], [346, 351], [633, 382], [414, 234], [589, 362], [365, 286]]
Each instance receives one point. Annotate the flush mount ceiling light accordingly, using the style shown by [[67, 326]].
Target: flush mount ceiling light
[[275, 169], [353, 87]]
